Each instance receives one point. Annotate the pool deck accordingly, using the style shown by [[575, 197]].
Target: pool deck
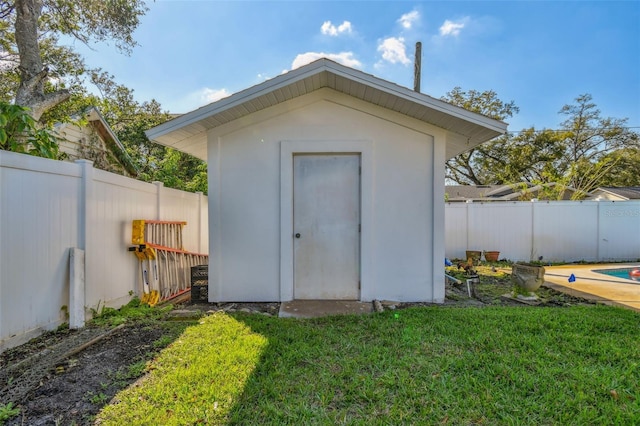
[[595, 286]]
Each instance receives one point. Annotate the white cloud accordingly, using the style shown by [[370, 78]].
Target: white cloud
[[329, 29], [344, 58], [453, 28], [197, 99], [394, 51], [408, 19], [211, 95]]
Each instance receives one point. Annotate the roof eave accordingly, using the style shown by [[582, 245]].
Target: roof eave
[[126, 160], [492, 128]]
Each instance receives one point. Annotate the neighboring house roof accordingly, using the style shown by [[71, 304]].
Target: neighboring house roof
[[511, 192], [75, 143], [188, 132], [470, 192], [623, 193], [538, 191]]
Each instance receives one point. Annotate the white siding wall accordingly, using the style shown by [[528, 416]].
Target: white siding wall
[[558, 231], [43, 214], [245, 194], [71, 139]]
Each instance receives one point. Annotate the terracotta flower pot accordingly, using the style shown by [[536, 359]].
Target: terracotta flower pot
[[491, 256], [527, 277]]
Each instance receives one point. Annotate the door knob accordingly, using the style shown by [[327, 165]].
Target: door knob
[[298, 235]]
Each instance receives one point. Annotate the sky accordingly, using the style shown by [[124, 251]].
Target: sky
[[539, 54]]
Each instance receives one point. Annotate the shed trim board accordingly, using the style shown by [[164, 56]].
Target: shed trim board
[[467, 129], [288, 149]]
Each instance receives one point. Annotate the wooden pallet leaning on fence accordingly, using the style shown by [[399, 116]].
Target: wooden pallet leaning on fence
[[164, 264]]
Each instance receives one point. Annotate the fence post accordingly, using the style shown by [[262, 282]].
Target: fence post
[[598, 232], [199, 242], [78, 287], [159, 185], [86, 195], [466, 225], [533, 231]]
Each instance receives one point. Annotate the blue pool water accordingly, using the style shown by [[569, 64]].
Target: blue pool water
[[618, 273]]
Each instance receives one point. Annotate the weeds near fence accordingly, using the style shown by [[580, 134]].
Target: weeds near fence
[[132, 311]]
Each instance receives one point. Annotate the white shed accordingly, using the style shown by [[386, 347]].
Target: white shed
[[326, 183]]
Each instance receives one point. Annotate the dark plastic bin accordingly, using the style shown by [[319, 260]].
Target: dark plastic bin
[[200, 283]]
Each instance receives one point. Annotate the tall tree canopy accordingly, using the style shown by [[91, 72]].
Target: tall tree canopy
[[591, 141], [465, 168], [129, 120], [36, 26], [587, 151], [50, 82]]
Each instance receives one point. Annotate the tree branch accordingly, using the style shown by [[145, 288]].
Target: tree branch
[[6, 8], [41, 103], [33, 81]]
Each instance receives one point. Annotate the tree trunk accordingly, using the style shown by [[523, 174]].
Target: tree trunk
[[32, 73]]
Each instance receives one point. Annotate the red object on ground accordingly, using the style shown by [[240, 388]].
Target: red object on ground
[[634, 274]]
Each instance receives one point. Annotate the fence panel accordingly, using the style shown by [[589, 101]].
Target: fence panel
[[619, 230], [565, 231], [178, 205], [112, 270], [456, 230], [48, 207], [557, 231], [38, 204], [504, 228]]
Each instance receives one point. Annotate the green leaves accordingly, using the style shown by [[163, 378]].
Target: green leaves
[[7, 411], [19, 132], [95, 20], [588, 150], [485, 103], [465, 168]]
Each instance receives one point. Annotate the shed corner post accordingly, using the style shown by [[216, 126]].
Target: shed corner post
[[438, 245]]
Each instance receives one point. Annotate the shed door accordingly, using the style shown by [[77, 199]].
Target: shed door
[[326, 221]]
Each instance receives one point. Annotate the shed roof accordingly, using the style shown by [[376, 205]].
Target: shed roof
[[187, 132]]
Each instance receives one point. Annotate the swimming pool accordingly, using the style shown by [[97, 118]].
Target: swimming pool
[[619, 272]]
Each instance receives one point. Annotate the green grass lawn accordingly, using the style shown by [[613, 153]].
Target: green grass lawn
[[437, 365]]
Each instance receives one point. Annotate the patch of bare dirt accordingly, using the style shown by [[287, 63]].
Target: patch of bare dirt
[[51, 388]]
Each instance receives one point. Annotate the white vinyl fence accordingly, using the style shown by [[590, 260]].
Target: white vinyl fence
[[48, 208], [558, 230]]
